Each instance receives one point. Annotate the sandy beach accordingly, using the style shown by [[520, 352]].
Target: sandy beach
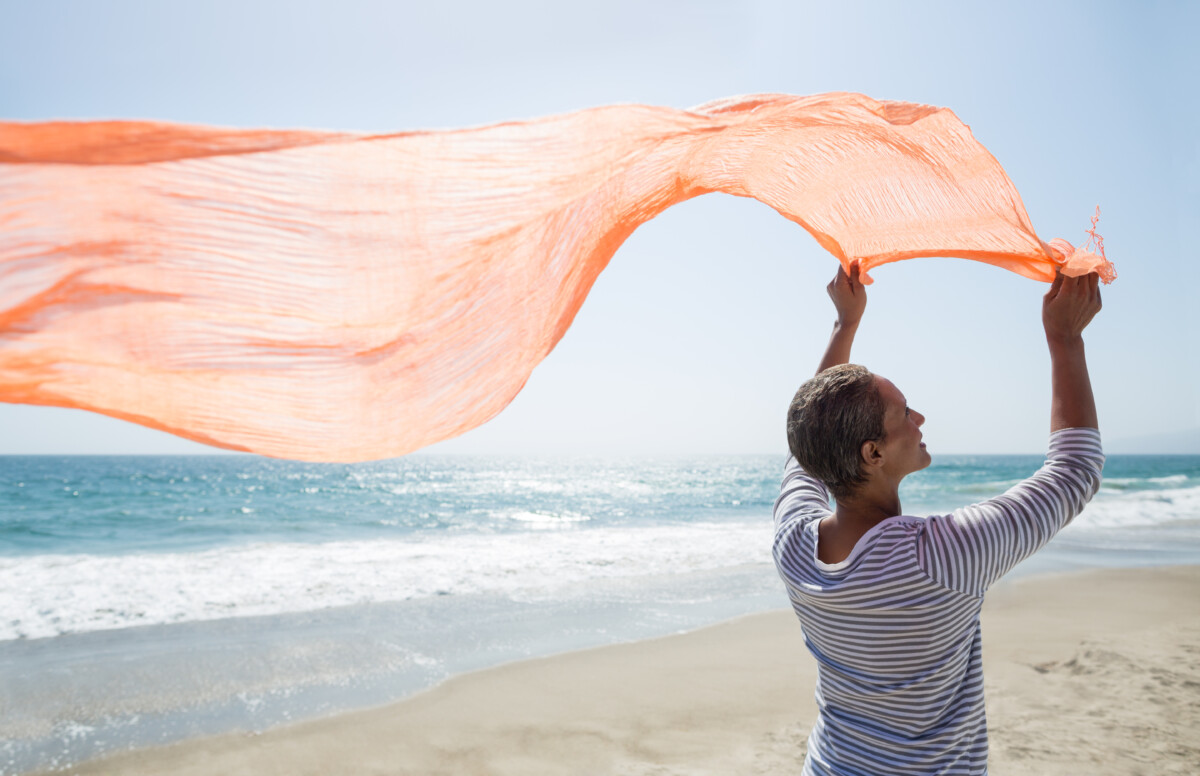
[[1092, 672]]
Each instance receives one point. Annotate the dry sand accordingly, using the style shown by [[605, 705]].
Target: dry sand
[[1090, 673]]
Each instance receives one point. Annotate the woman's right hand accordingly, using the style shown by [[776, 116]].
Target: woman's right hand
[[1067, 309], [1069, 306]]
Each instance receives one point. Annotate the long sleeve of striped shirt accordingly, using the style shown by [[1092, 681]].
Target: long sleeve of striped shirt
[[895, 626], [972, 547]]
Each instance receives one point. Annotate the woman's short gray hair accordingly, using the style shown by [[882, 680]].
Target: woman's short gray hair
[[829, 419]]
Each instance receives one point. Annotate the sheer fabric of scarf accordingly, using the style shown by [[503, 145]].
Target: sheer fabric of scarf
[[342, 297]]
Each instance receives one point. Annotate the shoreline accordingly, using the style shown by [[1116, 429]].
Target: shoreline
[[1095, 671]]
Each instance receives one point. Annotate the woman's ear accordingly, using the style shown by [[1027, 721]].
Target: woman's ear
[[871, 453]]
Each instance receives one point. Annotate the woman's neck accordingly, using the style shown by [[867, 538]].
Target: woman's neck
[[868, 506]]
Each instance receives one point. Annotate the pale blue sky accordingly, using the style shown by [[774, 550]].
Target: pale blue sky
[[705, 322]]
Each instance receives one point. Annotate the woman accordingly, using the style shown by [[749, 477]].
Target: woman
[[889, 603]]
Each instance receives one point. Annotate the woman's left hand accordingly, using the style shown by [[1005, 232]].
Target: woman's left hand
[[849, 295]]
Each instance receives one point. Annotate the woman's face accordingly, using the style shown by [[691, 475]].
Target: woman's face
[[904, 452]]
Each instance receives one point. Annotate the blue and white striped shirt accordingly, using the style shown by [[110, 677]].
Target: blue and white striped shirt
[[895, 626]]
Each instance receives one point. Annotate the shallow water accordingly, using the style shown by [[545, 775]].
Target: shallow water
[[148, 599]]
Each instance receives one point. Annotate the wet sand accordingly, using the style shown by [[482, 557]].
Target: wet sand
[[1093, 672]]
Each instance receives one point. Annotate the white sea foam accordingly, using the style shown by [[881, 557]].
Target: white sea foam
[[1139, 482], [1141, 508], [545, 520], [48, 595]]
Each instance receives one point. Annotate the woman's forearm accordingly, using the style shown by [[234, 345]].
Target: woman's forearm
[[1072, 404], [838, 349], [1067, 309], [850, 300]]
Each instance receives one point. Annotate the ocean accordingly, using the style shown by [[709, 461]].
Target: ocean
[[147, 599]]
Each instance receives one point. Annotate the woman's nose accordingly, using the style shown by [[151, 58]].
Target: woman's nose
[[920, 418]]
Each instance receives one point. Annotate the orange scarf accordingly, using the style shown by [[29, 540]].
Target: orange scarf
[[332, 296]]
